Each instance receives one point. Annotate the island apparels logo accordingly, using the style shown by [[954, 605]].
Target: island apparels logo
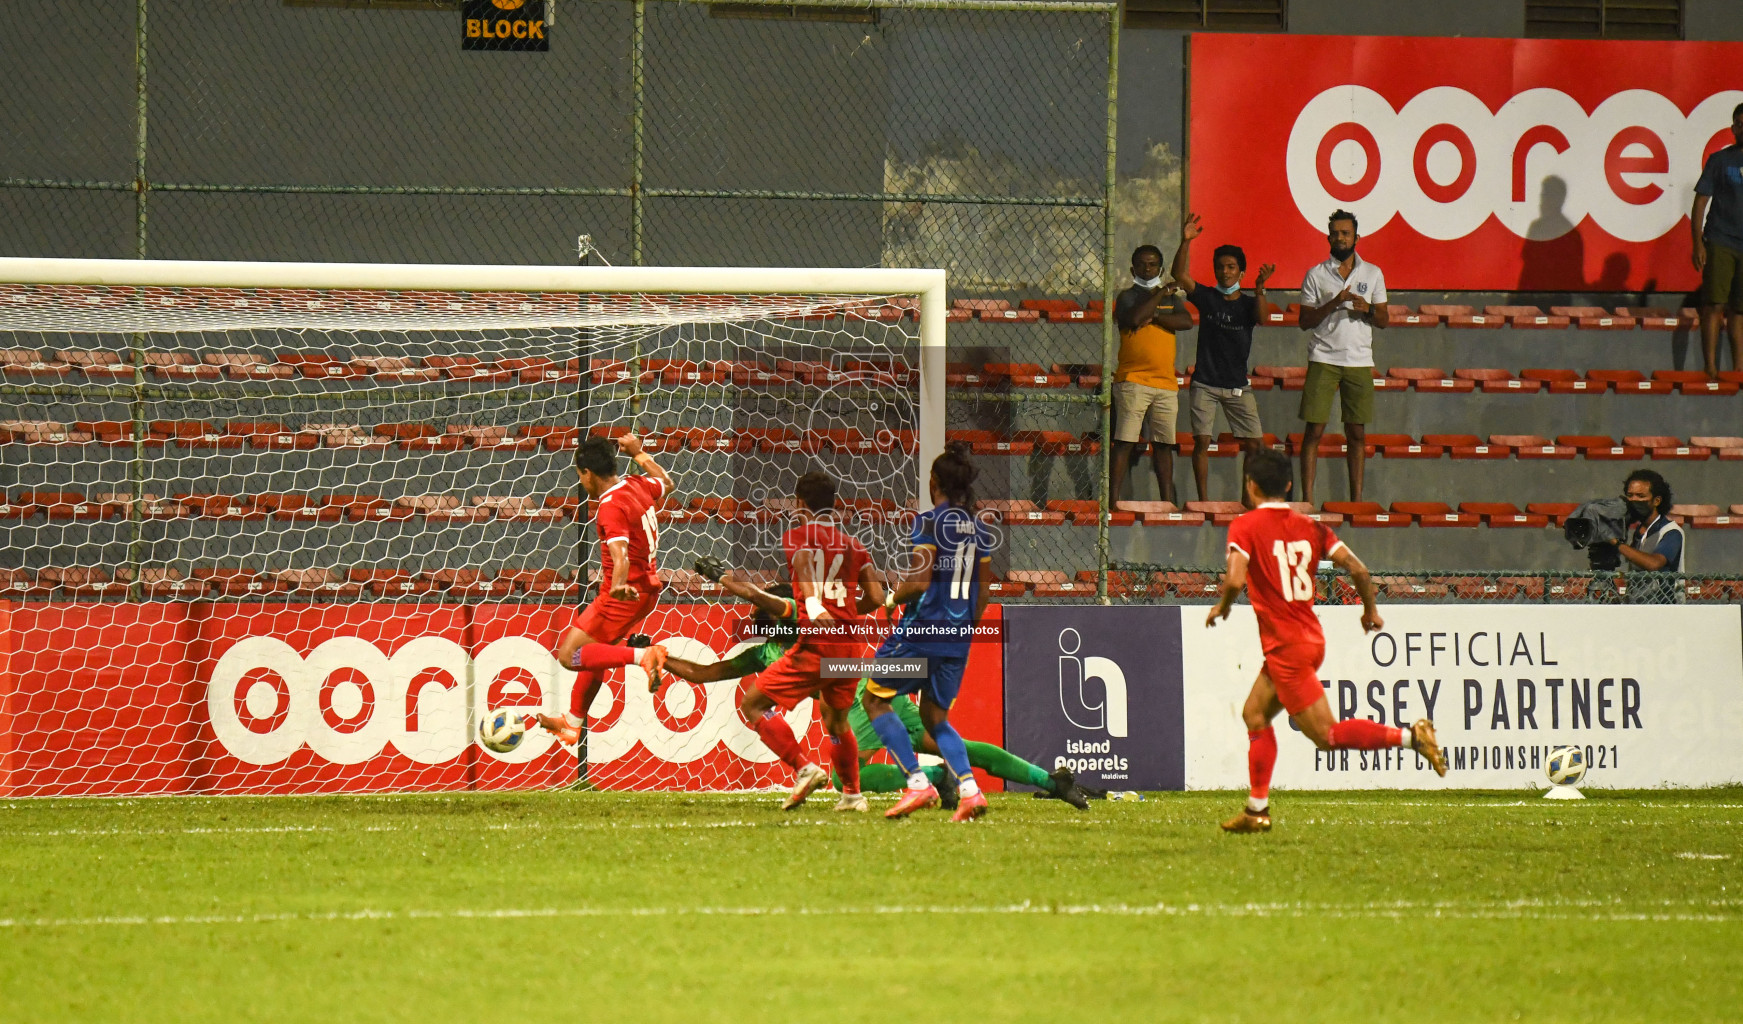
[[1084, 707]]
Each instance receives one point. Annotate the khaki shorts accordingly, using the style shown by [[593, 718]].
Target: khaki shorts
[[1239, 407], [1722, 280], [1139, 405], [1353, 386]]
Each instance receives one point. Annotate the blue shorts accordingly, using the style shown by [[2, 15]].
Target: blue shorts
[[941, 684]]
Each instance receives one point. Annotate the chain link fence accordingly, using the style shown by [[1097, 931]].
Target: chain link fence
[[1139, 583], [971, 135]]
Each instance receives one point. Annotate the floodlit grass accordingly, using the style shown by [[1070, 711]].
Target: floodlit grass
[[1455, 906]]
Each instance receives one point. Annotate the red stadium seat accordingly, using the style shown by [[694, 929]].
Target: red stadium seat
[[1221, 513], [1435, 513], [1670, 448], [1531, 446], [1565, 382], [1367, 513], [1655, 318], [1502, 514], [1694, 382], [1399, 315], [1160, 513], [1594, 318], [1557, 511], [1410, 588], [1528, 317]]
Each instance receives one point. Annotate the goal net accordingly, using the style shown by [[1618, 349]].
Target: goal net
[[299, 528]]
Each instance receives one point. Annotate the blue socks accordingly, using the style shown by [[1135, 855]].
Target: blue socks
[[895, 736], [955, 751]]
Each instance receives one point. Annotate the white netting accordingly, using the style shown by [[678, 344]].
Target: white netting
[[294, 540]]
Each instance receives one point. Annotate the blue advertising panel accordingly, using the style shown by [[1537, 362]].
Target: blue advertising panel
[[1097, 690]]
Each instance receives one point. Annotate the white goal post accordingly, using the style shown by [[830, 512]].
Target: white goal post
[[927, 285]]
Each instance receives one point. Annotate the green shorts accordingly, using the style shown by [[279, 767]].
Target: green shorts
[[863, 732], [1722, 280], [1352, 385]]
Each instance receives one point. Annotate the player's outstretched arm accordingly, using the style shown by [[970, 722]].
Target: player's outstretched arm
[[713, 568], [1346, 560], [808, 584], [1233, 580], [743, 664], [913, 582], [631, 445], [872, 594], [619, 584]]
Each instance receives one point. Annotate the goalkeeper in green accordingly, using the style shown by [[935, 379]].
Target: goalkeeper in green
[[777, 622]]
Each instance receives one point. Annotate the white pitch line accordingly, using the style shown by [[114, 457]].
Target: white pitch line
[[1704, 856], [1518, 910]]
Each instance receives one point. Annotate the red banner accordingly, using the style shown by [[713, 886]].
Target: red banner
[[116, 698], [1473, 164]]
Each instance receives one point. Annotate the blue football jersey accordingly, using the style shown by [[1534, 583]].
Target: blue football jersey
[[939, 622]]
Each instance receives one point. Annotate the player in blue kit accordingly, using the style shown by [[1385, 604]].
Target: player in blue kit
[[948, 576]]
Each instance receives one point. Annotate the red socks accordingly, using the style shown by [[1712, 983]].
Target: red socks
[[778, 736], [1361, 734], [600, 657], [844, 758], [590, 663], [1261, 758], [586, 685]]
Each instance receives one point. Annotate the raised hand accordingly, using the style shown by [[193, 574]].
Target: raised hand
[[1191, 228], [1265, 273], [630, 444]]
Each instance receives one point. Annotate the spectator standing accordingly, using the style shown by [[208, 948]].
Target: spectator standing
[[1342, 301], [1716, 221], [1226, 318], [1653, 549], [1145, 387]]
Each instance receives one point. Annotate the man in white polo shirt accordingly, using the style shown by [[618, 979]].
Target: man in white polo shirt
[[1342, 301]]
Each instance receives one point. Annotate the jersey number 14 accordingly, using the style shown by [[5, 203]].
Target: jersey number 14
[[1294, 569]]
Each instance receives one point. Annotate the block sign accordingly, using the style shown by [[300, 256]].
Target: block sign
[[504, 25]]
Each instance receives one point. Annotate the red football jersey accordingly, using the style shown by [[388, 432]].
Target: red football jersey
[[626, 513], [1283, 549], [835, 560]]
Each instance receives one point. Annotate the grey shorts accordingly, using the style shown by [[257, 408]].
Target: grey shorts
[[1137, 406], [1238, 406]]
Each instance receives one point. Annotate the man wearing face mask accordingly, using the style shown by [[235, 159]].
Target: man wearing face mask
[[1226, 319], [1342, 301], [1654, 546], [1145, 389]]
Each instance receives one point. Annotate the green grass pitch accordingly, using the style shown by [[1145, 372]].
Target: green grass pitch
[[652, 907]]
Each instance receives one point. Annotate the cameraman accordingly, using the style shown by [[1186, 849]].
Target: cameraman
[[1654, 545]]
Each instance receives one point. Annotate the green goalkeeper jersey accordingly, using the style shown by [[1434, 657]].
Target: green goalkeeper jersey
[[752, 660]]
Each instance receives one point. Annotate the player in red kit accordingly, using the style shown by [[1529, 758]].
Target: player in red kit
[[1273, 551], [832, 576], [629, 584]]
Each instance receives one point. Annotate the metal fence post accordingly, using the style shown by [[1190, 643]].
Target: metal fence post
[[1107, 322], [636, 113]]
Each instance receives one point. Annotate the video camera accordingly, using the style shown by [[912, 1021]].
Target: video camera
[[1597, 527]]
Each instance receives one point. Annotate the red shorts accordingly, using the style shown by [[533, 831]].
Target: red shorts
[[793, 677], [609, 620], [1294, 671]]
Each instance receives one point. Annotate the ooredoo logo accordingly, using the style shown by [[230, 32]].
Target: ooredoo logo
[[348, 702], [1540, 164]]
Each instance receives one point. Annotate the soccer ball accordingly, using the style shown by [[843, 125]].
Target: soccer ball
[[1567, 766], [502, 731]]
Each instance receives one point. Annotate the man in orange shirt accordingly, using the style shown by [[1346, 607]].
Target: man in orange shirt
[[1146, 391]]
